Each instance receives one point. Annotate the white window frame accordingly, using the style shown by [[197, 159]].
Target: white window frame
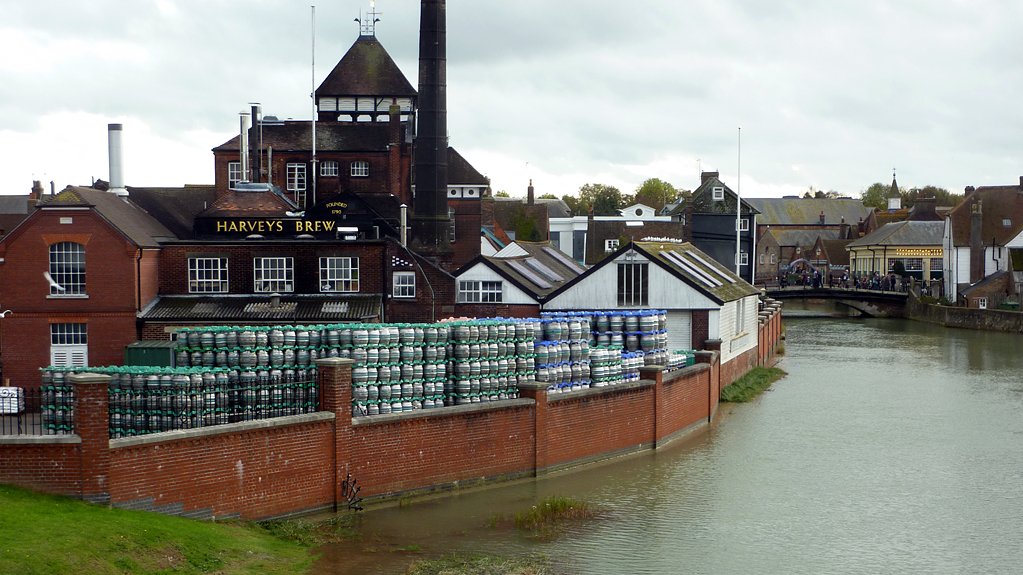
[[67, 269], [982, 303], [296, 177], [339, 274], [234, 173], [742, 258], [69, 345], [480, 291], [328, 169], [611, 245], [718, 193], [761, 259], [273, 274], [633, 284], [742, 224], [774, 259], [207, 275], [359, 169], [403, 285]]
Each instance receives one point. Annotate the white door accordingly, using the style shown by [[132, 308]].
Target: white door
[[680, 330]]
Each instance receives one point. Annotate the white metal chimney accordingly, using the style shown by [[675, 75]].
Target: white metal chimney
[[243, 145], [116, 161]]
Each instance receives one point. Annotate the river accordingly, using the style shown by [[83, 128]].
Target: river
[[891, 447]]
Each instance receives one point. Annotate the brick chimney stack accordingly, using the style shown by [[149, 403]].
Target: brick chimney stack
[[529, 194], [822, 217], [976, 244], [707, 176]]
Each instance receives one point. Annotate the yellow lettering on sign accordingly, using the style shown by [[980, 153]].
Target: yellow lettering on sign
[[221, 226], [328, 226]]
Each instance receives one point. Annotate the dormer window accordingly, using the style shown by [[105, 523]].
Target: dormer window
[[719, 193], [1007, 223]]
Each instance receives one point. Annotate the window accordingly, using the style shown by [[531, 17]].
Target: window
[[937, 264], [360, 169], [339, 274], [762, 259], [742, 259], [67, 269], [296, 177], [610, 246], [719, 194], [234, 173], [1007, 222], [207, 275], [632, 284], [328, 168], [477, 291], [404, 284], [982, 302], [69, 345], [742, 224], [273, 275], [774, 259]]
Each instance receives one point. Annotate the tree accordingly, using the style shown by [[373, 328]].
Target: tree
[[655, 193], [943, 196], [876, 196], [501, 194], [547, 196], [606, 200]]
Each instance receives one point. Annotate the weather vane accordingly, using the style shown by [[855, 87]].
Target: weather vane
[[368, 24]]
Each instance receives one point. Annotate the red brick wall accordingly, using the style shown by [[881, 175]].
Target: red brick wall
[[590, 425], [701, 328], [687, 396], [441, 448], [109, 310], [256, 473], [48, 467]]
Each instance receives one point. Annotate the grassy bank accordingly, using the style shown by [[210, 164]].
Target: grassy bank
[[481, 565], [751, 385], [44, 534]]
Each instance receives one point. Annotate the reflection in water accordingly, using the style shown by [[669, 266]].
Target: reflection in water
[[891, 447]]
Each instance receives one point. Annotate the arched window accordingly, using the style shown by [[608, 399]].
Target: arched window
[[67, 269]]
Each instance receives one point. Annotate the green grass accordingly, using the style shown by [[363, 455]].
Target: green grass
[[46, 534], [751, 385], [481, 565], [547, 517]]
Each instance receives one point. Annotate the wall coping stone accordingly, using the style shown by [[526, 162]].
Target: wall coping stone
[[334, 361], [40, 439], [240, 427], [685, 371], [607, 389], [442, 411]]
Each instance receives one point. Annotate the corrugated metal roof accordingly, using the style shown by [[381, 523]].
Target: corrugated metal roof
[[254, 309]]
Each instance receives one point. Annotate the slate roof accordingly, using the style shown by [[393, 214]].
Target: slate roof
[[516, 262], [175, 208], [140, 227], [731, 287], [807, 211], [461, 172], [837, 254], [802, 237], [555, 208], [14, 204], [997, 203], [293, 308], [984, 282], [703, 201], [250, 204], [296, 136], [366, 70], [908, 233]]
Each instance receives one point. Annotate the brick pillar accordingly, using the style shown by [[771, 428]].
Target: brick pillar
[[537, 391], [92, 424], [713, 378], [336, 397], [655, 373]]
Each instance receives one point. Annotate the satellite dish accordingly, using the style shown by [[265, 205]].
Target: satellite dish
[[53, 284]]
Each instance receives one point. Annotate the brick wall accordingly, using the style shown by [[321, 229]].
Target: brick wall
[[290, 465]]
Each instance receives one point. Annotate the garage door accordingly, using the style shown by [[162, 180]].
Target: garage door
[[680, 329]]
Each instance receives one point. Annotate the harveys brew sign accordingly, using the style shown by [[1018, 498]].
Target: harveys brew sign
[[289, 226]]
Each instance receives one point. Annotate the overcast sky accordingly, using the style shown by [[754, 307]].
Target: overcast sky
[[828, 93]]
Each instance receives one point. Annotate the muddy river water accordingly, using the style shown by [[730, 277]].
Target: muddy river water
[[891, 447]]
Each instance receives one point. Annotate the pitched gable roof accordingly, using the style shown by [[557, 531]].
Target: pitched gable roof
[[998, 203], [807, 211], [537, 268], [366, 70], [461, 172], [131, 220], [703, 201], [907, 233]]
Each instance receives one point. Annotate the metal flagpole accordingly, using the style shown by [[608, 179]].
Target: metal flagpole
[[312, 97]]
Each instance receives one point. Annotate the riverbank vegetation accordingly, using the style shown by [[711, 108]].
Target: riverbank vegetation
[[751, 385], [47, 534], [481, 565]]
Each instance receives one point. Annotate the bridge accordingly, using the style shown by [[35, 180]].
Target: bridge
[[873, 303]]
